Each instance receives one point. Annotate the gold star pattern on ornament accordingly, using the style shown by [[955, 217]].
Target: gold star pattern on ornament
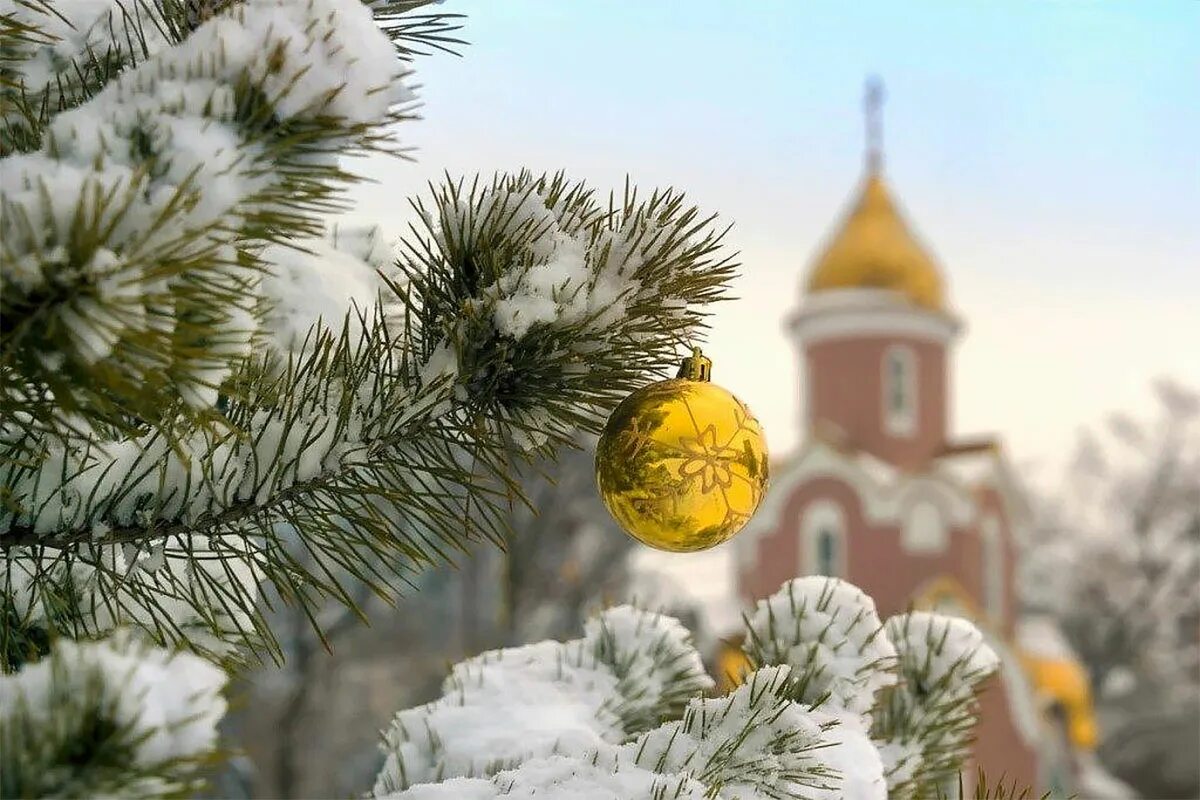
[[708, 460], [682, 464]]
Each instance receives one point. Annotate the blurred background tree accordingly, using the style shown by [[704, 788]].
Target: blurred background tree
[[310, 728], [1116, 560]]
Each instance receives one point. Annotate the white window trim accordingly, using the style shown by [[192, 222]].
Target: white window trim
[[806, 390], [919, 545], [822, 515], [992, 548], [902, 422]]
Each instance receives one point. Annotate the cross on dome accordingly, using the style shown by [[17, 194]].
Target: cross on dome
[[872, 247], [873, 99]]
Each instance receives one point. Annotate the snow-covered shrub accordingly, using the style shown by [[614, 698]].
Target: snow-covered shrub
[[841, 707]]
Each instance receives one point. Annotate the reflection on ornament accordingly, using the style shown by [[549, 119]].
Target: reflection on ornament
[[682, 463]]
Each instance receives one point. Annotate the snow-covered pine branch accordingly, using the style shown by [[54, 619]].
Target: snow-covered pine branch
[[814, 721], [555, 304], [59, 55], [828, 632], [925, 722], [410, 413], [205, 390], [631, 670], [128, 238], [113, 718]]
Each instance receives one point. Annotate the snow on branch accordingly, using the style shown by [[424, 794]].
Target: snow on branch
[[110, 718], [410, 407], [754, 744], [198, 594], [111, 491], [822, 721], [828, 631], [59, 54], [124, 238], [554, 304], [757, 742], [925, 722], [505, 707], [652, 655], [601, 777]]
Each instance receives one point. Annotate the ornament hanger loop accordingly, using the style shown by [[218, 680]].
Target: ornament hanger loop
[[696, 367]]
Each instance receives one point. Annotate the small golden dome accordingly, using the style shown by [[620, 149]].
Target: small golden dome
[[1064, 682], [875, 249]]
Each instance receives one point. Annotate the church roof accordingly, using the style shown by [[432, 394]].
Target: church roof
[[982, 462], [873, 248]]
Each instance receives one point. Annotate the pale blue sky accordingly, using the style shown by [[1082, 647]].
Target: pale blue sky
[[1048, 151]]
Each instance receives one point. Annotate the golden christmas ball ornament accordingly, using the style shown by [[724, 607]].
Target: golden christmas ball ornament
[[682, 463]]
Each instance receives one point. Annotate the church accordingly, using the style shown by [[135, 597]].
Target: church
[[883, 494]]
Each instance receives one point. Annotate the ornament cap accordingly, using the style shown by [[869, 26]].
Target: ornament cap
[[696, 367]]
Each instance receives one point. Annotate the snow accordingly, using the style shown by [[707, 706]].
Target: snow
[[548, 720], [561, 287], [567, 271], [508, 706], [563, 778], [321, 281], [502, 708], [1039, 635], [81, 484], [817, 640], [829, 628], [755, 742], [126, 585], [70, 33], [943, 660], [317, 58], [848, 750], [941, 650], [171, 700], [654, 657], [901, 760]]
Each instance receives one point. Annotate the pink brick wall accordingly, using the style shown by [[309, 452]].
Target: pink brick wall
[[844, 386], [877, 562]]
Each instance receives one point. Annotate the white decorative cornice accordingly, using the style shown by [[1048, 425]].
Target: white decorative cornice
[[884, 493], [859, 313], [989, 468]]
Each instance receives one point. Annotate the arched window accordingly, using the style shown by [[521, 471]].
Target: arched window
[[924, 529], [826, 561], [823, 538], [992, 550], [900, 390]]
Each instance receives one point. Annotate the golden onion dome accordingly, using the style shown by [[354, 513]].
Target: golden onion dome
[[874, 248], [1064, 682]]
